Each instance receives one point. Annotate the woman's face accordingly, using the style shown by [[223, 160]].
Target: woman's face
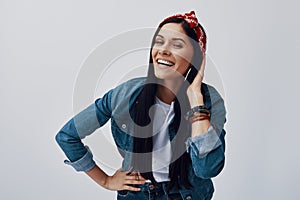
[[172, 52]]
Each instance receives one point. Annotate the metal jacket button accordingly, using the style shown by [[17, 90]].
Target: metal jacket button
[[151, 187]]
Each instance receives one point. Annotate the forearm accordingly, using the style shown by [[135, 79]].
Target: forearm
[[200, 127], [98, 175], [207, 144]]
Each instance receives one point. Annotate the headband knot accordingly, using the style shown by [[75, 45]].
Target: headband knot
[[192, 20]]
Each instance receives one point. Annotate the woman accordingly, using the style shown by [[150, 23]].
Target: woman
[[168, 127]]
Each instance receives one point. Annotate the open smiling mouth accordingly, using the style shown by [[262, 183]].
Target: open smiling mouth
[[165, 62]]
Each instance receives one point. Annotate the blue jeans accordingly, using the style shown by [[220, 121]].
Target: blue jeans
[[151, 192]]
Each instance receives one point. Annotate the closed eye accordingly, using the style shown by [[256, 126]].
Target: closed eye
[[159, 42], [178, 46]]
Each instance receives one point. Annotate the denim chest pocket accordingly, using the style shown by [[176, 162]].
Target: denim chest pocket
[[122, 130]]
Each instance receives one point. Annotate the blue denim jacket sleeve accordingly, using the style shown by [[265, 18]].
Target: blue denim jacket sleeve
[[81, 125], [207, 150]]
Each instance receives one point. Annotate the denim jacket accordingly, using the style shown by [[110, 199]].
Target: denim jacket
[[206, 150]]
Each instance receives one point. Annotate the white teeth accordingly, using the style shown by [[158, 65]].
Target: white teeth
[[164, 62]]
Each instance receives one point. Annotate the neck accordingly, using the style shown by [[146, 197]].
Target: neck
[[167, 90]]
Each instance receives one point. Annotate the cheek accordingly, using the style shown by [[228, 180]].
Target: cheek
[[153, 53], [184, 56], [188, 57], [184, 61], [183, 64]]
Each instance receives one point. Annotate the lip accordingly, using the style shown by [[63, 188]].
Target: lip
[[162, 66], [161, 61]]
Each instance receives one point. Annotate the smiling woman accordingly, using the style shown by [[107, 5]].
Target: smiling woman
[[172, 52], [174, 143]]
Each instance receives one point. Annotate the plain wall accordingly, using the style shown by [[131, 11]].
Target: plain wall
[[254, 46]]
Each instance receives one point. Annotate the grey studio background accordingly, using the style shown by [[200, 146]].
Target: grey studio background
[[252, 44]]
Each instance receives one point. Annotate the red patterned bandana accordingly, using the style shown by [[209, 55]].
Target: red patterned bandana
[[192, 20]]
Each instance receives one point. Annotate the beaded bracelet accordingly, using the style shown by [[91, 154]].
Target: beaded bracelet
[[198, 109], [199, 117]]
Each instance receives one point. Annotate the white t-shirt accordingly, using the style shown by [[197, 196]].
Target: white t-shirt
[[164, 113]]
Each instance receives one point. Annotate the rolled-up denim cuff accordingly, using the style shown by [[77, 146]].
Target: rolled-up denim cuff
[[202, 144], [85, 163]]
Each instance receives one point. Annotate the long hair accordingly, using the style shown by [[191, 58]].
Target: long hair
[[142, 146]]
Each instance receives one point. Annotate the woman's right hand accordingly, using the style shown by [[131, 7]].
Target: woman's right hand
[[122, 180]]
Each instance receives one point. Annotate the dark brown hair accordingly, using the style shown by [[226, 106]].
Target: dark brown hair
[[178, 169]]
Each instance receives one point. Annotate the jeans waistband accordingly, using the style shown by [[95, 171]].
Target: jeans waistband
[[161, 186]]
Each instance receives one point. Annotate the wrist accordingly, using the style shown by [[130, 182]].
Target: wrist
[[105, 182], [198, 103], [195, 99]]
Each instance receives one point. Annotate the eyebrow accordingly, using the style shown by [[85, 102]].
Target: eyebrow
[[173, 38]]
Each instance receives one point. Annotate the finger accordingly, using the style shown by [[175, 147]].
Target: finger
[[130, 177], [203, 64], [135, 176], [199, 77], [141, 177], [120, 170], [135, 182], [127, 187], [121, 173]]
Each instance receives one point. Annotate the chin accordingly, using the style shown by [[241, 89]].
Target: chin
[[159, 76], [167, 76]]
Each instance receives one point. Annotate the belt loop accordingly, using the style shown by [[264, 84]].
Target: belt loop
[[164, 186]]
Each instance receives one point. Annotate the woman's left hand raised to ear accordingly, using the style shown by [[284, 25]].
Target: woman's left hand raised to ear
[[194, 90]]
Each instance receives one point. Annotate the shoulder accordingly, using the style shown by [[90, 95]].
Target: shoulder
[[130, 85], [211, 91], [139, 81], [213, 97]]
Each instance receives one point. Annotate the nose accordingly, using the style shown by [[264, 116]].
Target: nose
[[164, 50]]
